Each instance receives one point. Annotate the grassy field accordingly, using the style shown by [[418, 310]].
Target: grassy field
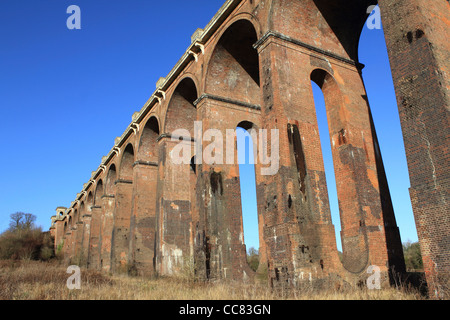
[[32, 280]]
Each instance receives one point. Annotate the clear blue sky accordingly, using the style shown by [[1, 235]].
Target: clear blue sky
[[66, 94]]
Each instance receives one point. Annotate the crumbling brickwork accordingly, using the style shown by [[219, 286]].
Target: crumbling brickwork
[[252, 67]]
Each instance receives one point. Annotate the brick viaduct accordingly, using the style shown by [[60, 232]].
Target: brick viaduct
[[252, 67]]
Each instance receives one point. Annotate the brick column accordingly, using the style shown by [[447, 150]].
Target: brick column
[[417, 33], [299, 233], [219, 235], [86, 235], [68, 245], [78, 243], [93, 261], [121, 229], [59, 234], [173, 222], [142, 225], [107, 224]]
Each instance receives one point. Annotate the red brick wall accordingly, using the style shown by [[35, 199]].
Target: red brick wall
[[256, 67], [416, 33]]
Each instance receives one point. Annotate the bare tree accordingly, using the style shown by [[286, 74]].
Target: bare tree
[[21, 221], [28, 222], [16, 221]]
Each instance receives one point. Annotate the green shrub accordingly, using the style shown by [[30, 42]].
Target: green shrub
[[413, 256], [253, 258]]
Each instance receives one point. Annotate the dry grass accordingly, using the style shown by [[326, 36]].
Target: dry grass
[[29, 280]]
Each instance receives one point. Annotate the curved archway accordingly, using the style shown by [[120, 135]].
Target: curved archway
[[76, 217], [148, 145], [90, 200], [99, 191], [354, 239], [181, 112], [126, 164], [233, 70], [82, 209], [110, 180], [246, 152], [318, 77]]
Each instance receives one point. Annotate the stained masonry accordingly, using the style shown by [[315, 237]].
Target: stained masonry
[[252, 66]]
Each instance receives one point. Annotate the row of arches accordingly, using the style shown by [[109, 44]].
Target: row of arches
[[146, 213]]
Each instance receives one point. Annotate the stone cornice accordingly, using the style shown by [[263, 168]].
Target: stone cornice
[[227, 100], [277, 35], [145, 163]]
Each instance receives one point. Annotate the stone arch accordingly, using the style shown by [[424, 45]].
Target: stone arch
[[111, 178], [76, 216], [181, 112], [233, 69], [148, 145], [126, 163], [247, 179], [70, 222], [355, 245], [247, 125], [334, 104], [99, 191], [82, 209], [90, 199]]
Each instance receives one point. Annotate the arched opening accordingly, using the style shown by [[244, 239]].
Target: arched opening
[[317, 81], [181, 112], [75, 216], [98, 193], [148, 146], [90, 200], [393, 174], [246, 159], [82, 211], [110, 181], [126, 165], [233, 70]]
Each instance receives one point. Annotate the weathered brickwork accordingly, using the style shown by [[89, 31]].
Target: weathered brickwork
[[415, 34], [252, 67]]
